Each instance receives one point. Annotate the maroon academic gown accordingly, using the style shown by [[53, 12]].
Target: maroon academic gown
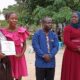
[[71, 57]]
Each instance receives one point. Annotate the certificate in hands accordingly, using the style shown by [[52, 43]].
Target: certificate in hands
[[8, 47]]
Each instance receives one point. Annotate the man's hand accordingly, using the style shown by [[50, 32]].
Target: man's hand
[[46, 57]]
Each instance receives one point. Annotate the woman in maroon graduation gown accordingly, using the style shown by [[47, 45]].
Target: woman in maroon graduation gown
[[71, 58]]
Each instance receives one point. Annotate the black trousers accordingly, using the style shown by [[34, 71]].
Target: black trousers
[[45, 73]]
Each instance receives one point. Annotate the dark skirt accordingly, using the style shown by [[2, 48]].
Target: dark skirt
[[5, 69]]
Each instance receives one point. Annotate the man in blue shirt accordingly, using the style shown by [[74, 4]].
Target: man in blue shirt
[[45, 45]]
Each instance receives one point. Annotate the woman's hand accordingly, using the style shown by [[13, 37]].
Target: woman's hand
[[78, 48], [19, 55], [2, 55]]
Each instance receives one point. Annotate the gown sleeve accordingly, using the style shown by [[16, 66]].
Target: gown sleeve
[[24, 34], [67, 39]]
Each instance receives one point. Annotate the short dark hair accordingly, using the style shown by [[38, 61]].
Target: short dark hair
[[44, 18]]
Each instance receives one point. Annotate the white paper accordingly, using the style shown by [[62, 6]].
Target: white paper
[[8, 47]]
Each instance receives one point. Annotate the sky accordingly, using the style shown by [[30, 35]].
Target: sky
[[5, 4]]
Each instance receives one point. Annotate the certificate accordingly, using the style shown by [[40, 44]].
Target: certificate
[[8, 47]]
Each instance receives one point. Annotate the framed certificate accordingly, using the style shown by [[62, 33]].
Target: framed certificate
[[8, 47]]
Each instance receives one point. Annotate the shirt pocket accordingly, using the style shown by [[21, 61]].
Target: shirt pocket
[[51, 40], [51, 43]]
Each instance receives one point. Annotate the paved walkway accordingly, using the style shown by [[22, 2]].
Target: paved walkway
[[30, 57]]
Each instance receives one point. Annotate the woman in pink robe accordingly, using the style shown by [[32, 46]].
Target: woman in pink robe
[[18, 35]]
